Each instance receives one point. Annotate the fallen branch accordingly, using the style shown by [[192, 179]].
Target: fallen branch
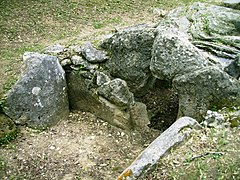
[[207, 153]]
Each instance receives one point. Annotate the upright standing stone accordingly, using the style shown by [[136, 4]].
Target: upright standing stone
[[39, 98]]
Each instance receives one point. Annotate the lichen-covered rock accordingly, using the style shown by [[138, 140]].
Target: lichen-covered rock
[[83, 97], [214, 119], [78, 63], [102, 78], [78, 60], [192, 47], [223, 118], [39, 98], [213, 28], [173, 54], [54, 49], [93, 55], [117, 92], [66, 62], [205, 88], [130, 51]]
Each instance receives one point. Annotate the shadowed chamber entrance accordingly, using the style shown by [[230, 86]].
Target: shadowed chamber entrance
[[162, 105]]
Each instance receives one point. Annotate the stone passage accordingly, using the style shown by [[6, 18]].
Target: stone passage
[[140, 76]]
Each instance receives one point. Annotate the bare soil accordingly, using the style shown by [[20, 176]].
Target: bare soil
[[82, 147]]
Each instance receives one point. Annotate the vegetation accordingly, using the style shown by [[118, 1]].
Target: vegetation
[[34, 24], [209, 154], [8, 130]]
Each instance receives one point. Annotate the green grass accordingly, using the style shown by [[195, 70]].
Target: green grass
[[3, 166], [31, 25], [220, 158], [34, 24], [48, 18]]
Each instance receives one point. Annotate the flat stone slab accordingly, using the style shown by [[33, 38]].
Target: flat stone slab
[[173, 136]]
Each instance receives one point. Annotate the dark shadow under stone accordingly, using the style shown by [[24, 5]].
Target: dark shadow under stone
[[162, 105]]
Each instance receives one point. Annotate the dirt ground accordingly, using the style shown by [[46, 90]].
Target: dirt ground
[[82, 147]]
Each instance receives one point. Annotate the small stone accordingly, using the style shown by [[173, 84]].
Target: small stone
[[54, 49], [117, 92], [102, 78], [122, 133], [75, 49], [65, 62], [103, 165], [52, 147], [93, 55], [78, 60]]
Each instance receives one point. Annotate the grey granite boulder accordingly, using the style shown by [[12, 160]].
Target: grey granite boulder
[[170, 138], [39, 98], [130, 51], [93, 55]]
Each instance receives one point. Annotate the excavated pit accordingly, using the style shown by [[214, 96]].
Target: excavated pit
[[162, 105]]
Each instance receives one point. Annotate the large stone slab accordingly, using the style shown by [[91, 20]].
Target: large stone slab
[[192, 48], [39, 98], [205, 88], [173, 54], [93, 55], [170, 138], [130, 51], [85, 98], [212, 28]]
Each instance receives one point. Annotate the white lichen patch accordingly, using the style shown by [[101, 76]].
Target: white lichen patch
[[36, 90]]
